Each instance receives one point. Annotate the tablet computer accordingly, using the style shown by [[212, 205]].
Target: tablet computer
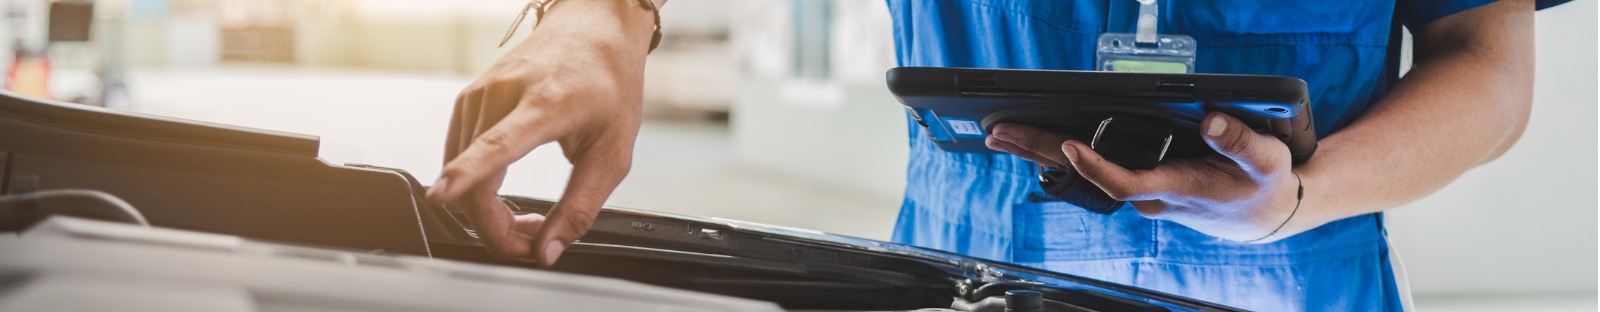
[[959, 106]]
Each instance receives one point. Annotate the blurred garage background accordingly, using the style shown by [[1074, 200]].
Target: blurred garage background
[[772, 111]]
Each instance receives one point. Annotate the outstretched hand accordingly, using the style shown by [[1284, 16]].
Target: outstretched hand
[[578, 82]]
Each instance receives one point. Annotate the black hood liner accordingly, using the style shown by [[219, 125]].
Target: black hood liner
[[271, 186]]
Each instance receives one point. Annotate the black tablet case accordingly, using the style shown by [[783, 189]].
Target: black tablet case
[[958, 107]]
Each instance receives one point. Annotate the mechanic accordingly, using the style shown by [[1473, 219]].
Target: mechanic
[[1231, 228]]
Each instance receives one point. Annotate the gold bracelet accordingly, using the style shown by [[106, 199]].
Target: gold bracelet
[[537, 16], [655, 36], [539, 6], [1299, 195]]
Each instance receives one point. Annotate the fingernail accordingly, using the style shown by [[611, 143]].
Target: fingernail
[[1003, 148], [1217, 125], [995, 145], [1004, 137], [552, 250], [1071, 149]]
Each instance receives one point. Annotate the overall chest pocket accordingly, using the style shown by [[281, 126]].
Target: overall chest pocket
[[1081, 16], [1214, 18]]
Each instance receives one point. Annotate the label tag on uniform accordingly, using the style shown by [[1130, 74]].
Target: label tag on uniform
[[1145, 51]]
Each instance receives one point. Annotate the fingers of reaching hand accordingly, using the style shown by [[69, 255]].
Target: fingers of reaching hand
[[453, 135], [479, 110], [595, 175], [1254, 152], [487, 139], [502, 233], [495, 224], [493, 150], [467, 117]]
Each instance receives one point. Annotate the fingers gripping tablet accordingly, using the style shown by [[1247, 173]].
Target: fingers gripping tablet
[[1124, 114]]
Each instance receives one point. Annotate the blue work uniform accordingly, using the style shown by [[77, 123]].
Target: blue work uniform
[[990, 205]]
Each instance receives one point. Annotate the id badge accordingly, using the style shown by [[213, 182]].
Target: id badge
[[1169, 54], [1145, 51]]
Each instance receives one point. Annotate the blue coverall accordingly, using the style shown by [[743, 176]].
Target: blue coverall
[[990, 206]]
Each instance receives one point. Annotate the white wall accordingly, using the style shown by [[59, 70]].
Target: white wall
[[846, 130], [1525, 222], [181, 41]]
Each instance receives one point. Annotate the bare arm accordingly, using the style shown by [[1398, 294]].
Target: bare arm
[[1465, 102]]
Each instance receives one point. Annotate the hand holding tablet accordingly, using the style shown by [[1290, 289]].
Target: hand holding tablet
[[1132, 119]]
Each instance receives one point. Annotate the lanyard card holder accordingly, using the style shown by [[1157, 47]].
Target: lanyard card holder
[[1166, 54], [1146, 50]]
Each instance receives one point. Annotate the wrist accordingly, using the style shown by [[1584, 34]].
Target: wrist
[[1280, 218], [621, 25], [1318, 201]]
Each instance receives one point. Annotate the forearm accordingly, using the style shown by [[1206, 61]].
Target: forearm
[[1464, 103]]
